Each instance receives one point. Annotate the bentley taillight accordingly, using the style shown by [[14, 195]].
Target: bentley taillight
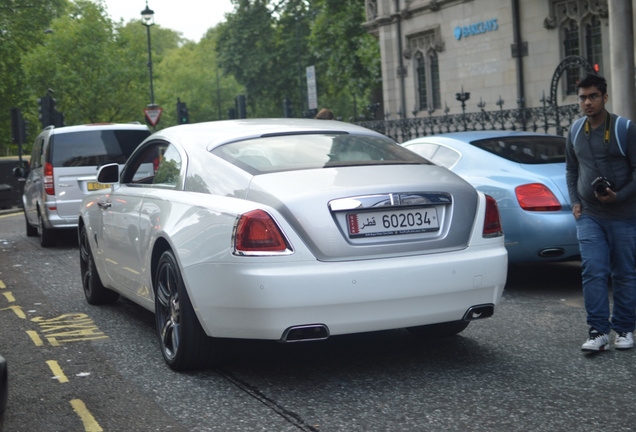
[[257, 233], [49, 187], [537, 197], [492, 222]]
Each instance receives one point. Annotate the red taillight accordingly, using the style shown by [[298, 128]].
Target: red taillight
[[256, 231], [49, 187], [537, 197], [492, 223]]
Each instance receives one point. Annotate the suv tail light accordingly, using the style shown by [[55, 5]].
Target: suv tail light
[[49, 187], [256, 233], [492, 222], [537, 197]]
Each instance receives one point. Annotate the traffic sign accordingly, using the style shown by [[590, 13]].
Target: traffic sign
[[153, 114], [312, 95]]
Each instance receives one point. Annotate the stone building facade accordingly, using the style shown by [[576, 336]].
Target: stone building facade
[[488, 54]]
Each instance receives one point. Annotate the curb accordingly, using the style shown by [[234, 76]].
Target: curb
[[11, 210]]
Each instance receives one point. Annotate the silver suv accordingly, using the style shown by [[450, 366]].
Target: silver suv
[[63, 171]]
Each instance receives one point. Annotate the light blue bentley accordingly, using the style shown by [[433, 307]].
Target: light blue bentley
[[525, 173]]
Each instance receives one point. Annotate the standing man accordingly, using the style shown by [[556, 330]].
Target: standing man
[[600, 164]]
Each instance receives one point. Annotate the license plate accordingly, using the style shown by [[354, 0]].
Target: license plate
[[392, 222], [91, 186]]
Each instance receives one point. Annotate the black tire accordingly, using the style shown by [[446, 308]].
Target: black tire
[[439, 330], [47, 235], [94, 291], [31, 231], [184, 344]]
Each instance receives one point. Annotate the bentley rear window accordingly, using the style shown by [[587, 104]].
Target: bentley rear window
[[526, 149], [311, 151]]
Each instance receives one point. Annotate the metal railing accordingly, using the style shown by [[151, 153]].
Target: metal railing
[[547, 119]]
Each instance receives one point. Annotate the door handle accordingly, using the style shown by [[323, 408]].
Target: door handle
[[104, 205]]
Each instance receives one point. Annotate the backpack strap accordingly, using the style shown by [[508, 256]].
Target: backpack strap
[[620, 131], [576, 129]]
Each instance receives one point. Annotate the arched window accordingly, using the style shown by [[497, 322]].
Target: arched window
[[421, 82], [424, 48], [593, 44], [571, 47], [580, 32], [435, 90], [428, 88]]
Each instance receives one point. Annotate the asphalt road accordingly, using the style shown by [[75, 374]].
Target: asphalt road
[[74, 367]]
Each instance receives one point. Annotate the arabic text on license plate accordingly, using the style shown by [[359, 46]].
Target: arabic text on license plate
[[96, 186], [381, 223]]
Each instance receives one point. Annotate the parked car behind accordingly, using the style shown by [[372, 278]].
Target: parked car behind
[[525, 173], [288, 230], [63, 169]]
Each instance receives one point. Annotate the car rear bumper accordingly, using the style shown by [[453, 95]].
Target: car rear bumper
[[539, 236], [262, 300], [53, 220]]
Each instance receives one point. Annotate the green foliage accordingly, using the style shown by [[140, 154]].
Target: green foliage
[[95, 67], [267, 46], [98, 69], [353, 65], [22, 26], [195, 79], [247, 49]]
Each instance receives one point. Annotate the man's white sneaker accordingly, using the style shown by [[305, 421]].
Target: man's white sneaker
[[624, 340], [596, 342]]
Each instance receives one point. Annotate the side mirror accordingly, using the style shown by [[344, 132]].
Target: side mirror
[[108, 174]]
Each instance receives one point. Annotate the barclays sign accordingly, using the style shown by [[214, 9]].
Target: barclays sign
[[475, 29]]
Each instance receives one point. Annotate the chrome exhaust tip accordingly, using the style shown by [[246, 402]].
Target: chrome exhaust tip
[[479, 312], [551, 252], [307, 332]]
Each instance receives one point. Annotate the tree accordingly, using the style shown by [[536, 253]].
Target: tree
[[191, 73], [246, 49], [353, 65], [96, 68], [22, 26], [267, 46]]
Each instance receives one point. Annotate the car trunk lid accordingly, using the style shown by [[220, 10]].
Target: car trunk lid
[[350, 214]]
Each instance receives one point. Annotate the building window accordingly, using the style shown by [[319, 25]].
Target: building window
[[421, 82], [593, 44], [579, 24], [435, 89], [571, 47], [424, 47], [428, 88]]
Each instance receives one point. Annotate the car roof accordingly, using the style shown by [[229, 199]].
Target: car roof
[[470, 136], [98, 126], [215, 133]]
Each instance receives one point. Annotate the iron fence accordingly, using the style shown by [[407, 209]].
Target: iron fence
[[548, 118]]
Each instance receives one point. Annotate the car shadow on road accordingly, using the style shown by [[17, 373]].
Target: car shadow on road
[[552, 279]]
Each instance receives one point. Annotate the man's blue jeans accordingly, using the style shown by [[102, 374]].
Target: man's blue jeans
[[608, 252]]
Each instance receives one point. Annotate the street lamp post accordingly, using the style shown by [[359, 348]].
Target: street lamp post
[[148, 20]]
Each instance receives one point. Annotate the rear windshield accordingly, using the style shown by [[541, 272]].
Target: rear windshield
[[526, 149], [94, 148], [311, 151]]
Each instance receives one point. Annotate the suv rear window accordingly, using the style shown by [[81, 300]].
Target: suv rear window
[[526, 149], [94, 148]]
